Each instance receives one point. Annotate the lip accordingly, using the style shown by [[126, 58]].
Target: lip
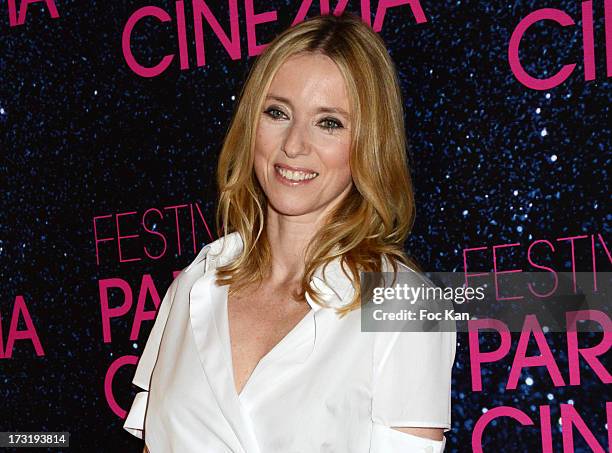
[[289, 167], [288, 182]]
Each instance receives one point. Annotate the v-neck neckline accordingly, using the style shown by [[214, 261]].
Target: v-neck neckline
[[276, 349]]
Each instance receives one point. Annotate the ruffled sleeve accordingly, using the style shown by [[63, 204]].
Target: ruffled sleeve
[[412, 388], [134, 422]]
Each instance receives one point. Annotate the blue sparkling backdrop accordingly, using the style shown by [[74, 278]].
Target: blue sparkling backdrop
[[81, 135]]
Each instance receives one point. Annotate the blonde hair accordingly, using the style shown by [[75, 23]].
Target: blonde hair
[[375, 218]]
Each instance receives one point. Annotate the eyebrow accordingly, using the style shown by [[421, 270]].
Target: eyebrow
[[320, 109]]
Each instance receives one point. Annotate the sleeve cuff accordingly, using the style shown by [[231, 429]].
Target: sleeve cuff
[[134, 422], [389, 440]]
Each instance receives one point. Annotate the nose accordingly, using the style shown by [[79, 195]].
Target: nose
[[295, 142]]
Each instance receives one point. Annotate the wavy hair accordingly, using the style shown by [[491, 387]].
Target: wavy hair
[[373, 221]]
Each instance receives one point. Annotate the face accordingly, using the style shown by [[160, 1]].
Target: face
[[303, 138]]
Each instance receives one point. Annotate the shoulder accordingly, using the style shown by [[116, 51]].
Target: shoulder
[[389, 262], [412, 337], [220, 250], [406, 274]]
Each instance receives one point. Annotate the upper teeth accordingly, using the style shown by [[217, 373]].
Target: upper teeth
[[296, 175]]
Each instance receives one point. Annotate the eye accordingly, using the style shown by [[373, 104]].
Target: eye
[[274, 113], [329, 124]]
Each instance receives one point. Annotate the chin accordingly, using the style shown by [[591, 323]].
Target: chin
[[291, 207]]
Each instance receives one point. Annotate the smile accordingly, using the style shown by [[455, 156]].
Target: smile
[[294, 176]]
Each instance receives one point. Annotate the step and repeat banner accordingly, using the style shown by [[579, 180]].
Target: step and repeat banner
[[112, 116]]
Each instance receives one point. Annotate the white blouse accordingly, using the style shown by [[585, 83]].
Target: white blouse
[[325, 387]]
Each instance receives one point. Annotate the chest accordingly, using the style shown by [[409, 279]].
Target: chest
[[258, 320]]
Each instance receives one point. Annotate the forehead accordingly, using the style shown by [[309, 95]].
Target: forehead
[[311, 79]]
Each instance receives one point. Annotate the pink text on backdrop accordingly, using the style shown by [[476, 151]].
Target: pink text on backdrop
[[147, 288], [20, 310], [231, 43], [122, 225], [108, 382], [570, 419], [581, 242], [531, 327], [15, 20], [565, 20]]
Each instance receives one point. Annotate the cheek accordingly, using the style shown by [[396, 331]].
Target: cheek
[[337, 159], [264, 139], [264, 149]]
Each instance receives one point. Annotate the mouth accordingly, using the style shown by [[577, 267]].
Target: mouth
[[293, 176]]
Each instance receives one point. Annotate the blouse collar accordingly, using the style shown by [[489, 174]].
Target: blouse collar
[[334, 285]]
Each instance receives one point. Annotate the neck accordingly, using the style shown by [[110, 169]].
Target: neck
[[288, 237]]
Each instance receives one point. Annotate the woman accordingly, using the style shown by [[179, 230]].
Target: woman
[[257, 346]]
